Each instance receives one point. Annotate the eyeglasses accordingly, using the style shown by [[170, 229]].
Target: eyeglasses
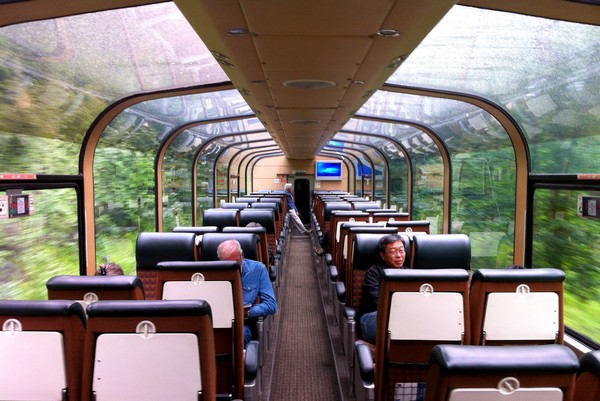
[[395, 251]]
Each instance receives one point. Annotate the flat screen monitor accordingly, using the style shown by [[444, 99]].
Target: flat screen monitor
[[328, 170]]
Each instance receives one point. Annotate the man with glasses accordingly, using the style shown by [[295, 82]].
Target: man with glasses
[[256, 285], [392, 253]]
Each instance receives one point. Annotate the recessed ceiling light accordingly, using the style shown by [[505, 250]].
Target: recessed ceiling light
[[308, 83], [238, 32], [305, 122], [388, 33]]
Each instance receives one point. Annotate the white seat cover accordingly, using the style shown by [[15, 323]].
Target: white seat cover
[[132, 367], [492, 394], [219, 294], [32, 366], [428, 317], [521, 316]]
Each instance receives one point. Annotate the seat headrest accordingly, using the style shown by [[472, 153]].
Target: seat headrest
[[265, 217], [154, 247], [331, 206], [251, 230], [364, 206], [468, 359], [441, 251], [425, 275], [149, 308], [366, 250], [214, 265], [211, 241], [220, 217], [590, 362], [519, 275], [198, 230], [267, 205], [42, 308], [234, 205], [94, 283]]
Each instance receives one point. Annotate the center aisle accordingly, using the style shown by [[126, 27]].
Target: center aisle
[[303, 366]]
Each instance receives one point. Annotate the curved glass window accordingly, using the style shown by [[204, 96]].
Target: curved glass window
[[482, 161], [566, 240], [544, 72], [37, 247], [124, 162], [58, 75]]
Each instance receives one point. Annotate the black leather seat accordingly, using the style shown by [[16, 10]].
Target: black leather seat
[[587, 387], [154, 247], [94, 288], [540, 372], [220, 218], [136, 346], [47, 342], [441, 251], [517, 306], [221, 286]]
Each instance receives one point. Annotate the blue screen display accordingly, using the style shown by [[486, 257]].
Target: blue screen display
[[329, 170]]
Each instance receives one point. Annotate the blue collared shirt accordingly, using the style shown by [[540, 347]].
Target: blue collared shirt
[[256, 283]]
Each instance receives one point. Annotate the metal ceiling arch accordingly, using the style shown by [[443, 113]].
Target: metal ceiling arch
[[372, 166], [220, 153], [444, 152], [243, 160], [231, 162], [405, 153], [256, 158], [90, 142]]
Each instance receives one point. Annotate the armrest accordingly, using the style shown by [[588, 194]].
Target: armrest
[[349, 313], [328, 259], [364, 359], [251, 360], [340, 288], [273, 272], [333, 273]]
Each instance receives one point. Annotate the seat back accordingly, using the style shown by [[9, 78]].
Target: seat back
[[154, 247], [263, 255], [248, 199], [88, 289], [410, 226], [387, 216], [328, 208], [220, 284], [516, 306], [41, 347], [235, 205], [353, 233], [417, 310], [364, 206], [365, 254], [441, 251], [335, 221], [220, 218], [588, 377], [133, 348], [278, 223], [211, 241], [342, 246], [506, 373], [266, 218]]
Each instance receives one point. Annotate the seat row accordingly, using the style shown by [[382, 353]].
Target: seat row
[[115, 350], [218, 283], [494, 373]]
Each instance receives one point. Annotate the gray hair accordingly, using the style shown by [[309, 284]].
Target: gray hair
[[288, 186]]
